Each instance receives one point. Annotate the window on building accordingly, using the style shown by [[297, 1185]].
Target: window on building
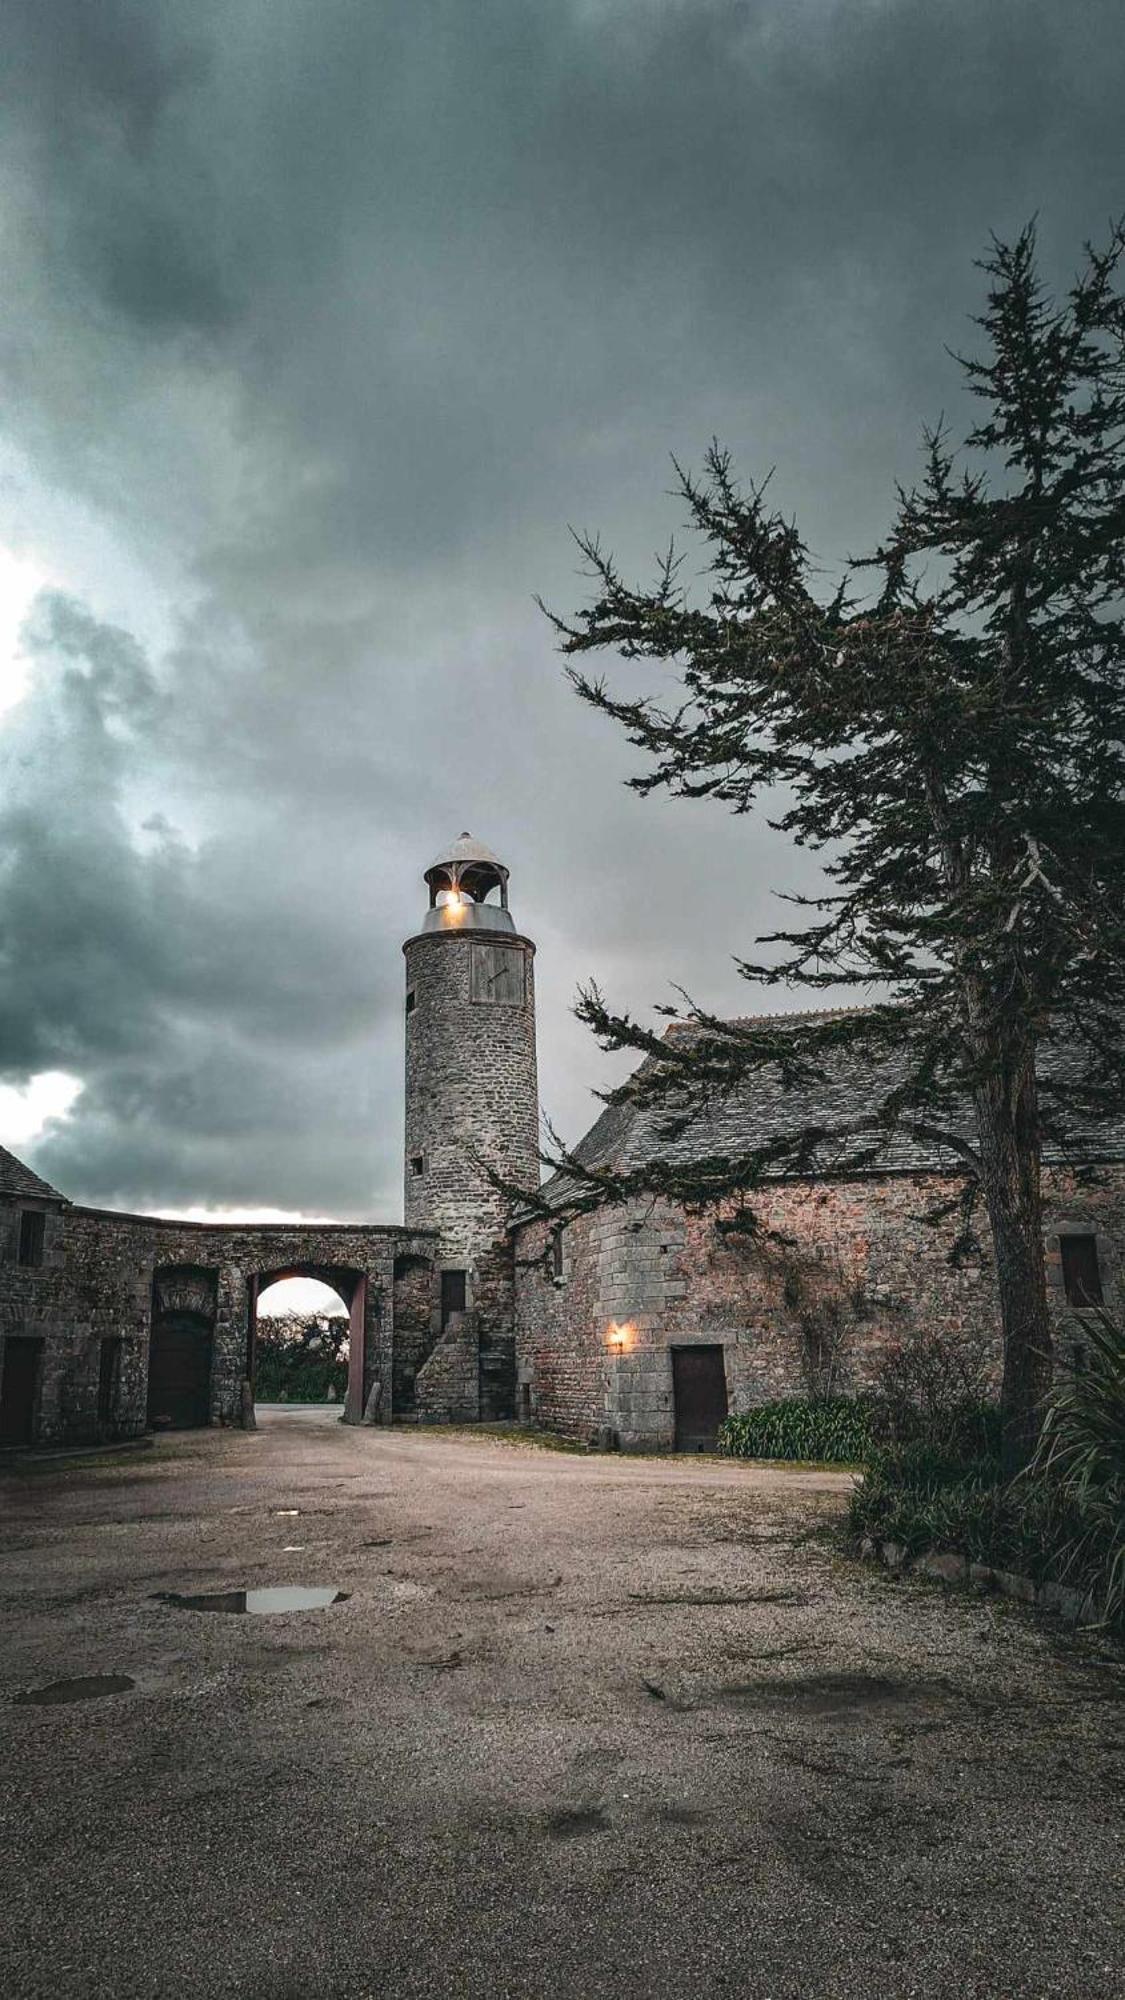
[[417, 1166], [31, 1236], [411, 1001], [452, 1295], [557, 1270], [1082, 1279]]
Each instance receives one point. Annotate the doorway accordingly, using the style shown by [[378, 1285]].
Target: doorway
[[699, 1386], [179, 1372], [19, 1389]]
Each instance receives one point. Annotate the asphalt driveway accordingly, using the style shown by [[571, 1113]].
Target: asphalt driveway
[[581, 1726]]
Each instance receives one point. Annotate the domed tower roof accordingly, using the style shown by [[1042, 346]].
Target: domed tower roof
[[460, 882]]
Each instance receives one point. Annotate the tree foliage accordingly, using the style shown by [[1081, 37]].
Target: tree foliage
[[945, 731]]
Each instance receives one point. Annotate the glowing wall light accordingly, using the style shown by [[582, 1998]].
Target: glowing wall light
[[619, 1334]]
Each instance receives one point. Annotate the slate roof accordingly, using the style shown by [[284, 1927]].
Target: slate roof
[[16, 1179], [627, 1135]]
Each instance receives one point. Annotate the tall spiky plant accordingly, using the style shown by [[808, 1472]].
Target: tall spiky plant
[[1081, 1452]]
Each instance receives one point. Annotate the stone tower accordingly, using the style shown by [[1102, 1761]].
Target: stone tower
[[471, 1093]]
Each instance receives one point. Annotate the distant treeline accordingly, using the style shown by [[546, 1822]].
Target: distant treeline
[[302, 1358]]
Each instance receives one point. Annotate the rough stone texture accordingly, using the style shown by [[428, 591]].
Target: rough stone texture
[[867, 1271], [944, 1565], [471, 1092], [417, 1325], [448, 1387], [97, 1282], [471, 1105]]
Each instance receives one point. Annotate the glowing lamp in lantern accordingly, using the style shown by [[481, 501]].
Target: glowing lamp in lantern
[[619, 1334]]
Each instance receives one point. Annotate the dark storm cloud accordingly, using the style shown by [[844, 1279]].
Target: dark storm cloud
[[337, 312], [184, 984]]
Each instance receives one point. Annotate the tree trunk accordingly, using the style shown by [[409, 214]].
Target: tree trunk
[[1009, 1147]]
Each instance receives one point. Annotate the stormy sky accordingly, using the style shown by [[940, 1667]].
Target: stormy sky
[[322, 320]]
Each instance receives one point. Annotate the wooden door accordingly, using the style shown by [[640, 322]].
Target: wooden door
[[19, 1386], [699, 1385], [179, 1372]]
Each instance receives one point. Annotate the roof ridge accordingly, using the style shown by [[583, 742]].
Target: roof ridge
[[771, 1020]]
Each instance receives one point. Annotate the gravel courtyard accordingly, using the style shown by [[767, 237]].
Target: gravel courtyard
[[583, 1726]]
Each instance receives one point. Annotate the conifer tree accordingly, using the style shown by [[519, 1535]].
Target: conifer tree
[[946, 732]]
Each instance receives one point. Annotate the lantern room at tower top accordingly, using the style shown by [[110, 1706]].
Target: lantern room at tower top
[[461, 882]]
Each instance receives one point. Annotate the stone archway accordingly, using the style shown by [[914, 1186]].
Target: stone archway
[[350, 1287]]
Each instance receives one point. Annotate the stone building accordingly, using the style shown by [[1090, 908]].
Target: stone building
[[644, 1325], [110, 1323], [640, 1327]]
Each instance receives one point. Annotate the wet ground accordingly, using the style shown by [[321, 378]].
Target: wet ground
[[575, 1726]]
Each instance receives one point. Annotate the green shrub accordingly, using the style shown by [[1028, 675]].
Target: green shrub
[[1060, 1521], [929, 1467], [963, 1431], [1029, 1527], [829, 1428]]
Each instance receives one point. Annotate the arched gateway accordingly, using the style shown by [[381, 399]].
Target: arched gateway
[[350, 1287]]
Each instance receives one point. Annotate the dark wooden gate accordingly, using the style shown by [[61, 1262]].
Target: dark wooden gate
[[19, 1386], [179, 1372], [699, 1383]]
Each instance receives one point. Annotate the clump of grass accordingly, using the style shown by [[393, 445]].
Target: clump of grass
[[827, 1430], [1081, 1456], [1061, 1520]]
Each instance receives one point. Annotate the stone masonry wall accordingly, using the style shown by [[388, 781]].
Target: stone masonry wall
[[866, 1264], [471, 1104], [471, 1092], [96, 1282]]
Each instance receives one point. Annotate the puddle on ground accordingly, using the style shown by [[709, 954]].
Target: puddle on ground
[[282, 1597], [87, 1687]]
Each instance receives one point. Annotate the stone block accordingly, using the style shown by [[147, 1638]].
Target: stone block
[[1069, 1605], [1012, 1585], [944, 1565]]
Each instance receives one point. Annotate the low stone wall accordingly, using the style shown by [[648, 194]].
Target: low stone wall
[[947, 1566]]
